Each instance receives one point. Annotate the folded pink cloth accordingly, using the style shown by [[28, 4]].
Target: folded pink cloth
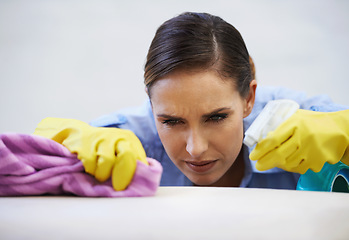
[[33, 165]]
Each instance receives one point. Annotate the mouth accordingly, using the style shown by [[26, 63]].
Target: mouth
[[201, 166]]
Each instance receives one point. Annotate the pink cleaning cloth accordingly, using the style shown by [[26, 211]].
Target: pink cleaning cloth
[[34, 165]]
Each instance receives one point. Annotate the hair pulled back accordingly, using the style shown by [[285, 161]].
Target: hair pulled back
[[193, 41]]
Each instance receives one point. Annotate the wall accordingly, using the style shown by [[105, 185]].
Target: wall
[[81, 59]]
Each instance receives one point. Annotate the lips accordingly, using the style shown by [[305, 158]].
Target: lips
[[201, 166]]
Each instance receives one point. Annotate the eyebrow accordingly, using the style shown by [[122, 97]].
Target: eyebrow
[[216, 111]]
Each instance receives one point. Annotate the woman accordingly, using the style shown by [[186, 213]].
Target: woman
[[202, 97]]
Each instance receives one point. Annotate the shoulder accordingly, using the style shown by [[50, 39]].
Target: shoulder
[[314, 103], [138, 119]]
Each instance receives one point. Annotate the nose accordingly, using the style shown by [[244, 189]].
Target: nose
[[196, 144]]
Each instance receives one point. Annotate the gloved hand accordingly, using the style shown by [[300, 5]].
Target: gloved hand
[[305, 140], [104, 152]]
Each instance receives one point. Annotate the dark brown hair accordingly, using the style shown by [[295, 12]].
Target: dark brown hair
[[199, 41]]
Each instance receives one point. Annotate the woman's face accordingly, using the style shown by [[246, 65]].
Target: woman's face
[[199, 118]]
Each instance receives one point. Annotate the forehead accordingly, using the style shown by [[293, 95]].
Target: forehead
[[199, 90]]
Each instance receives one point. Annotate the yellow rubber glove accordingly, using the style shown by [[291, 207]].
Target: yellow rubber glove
[[305, 140], [104, 152]]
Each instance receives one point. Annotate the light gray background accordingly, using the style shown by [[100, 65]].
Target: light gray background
[[82, 59]]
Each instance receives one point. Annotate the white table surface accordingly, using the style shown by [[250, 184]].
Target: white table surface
[[180, 213]]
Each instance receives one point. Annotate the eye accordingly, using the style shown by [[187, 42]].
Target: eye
[[172, 122], [218, 117]]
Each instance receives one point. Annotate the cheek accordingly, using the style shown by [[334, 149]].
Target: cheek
[[228, 140], [170, 139]]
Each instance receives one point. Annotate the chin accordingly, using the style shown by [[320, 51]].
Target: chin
[[203, 180]]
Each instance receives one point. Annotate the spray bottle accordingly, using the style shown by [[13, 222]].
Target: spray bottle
[[331, 178]]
